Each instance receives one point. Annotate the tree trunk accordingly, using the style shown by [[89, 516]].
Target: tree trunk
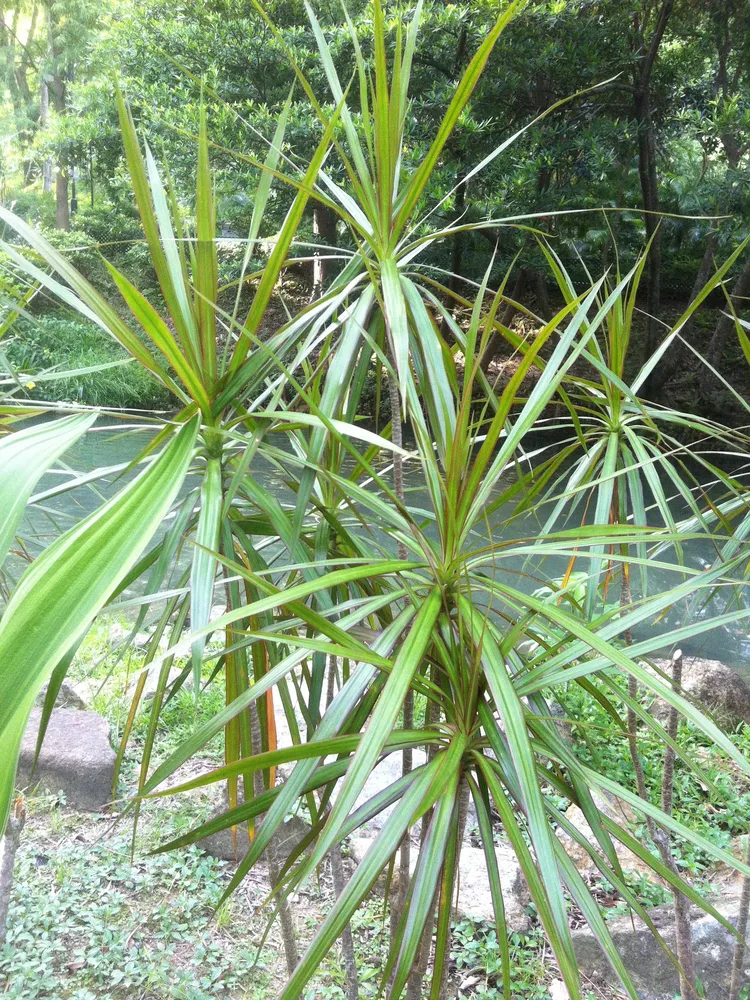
[[646, 56], [650, 196], [58, 91], [723, 329], [539, 284], [62, 204], [402, 884], [683, 931], [324, 225], [43, 122]]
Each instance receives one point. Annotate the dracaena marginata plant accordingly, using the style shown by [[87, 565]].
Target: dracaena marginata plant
[[450, 624], [321, 615], [194, 349]]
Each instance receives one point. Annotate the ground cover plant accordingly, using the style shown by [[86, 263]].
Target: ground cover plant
[[451, 619]]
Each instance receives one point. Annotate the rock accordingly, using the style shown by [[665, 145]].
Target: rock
[[384, 774], [474, 898], [76, 758], [232, 847], [70, 695], [715, 686], [652, 972], [617, 810]]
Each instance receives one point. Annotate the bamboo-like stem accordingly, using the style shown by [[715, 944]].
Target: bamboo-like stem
[[635, 757], [402, 885], [9, 845], [339, 879], [738, 959], [683, 933], [288, 935]]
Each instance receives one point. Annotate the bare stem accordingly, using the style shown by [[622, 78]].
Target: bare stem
[[738, 960], [347, 941], [402, 886], [9, 845], [416, 979], [288, 935], [339, 879], [683, 932], [463, 812]]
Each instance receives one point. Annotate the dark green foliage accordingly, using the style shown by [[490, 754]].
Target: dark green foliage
[[53, 341]]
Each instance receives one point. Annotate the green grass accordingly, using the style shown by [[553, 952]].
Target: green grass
[[52, 340], [87, 923]]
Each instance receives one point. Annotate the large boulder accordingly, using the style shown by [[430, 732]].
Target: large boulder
[[474, 897], [715, 686], [383, 774], [232, 844], [616, 810], [76, 758], [70, 695], [653, 974]]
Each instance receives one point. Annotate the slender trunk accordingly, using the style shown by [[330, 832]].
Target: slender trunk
[[416, 979], [402, 885], [339, 879], [9, 847], [724, 327], [58, 92], [539, 283], [324, 226], [288, 935], [463, 812], [738, 961], [646, 55], [43, 122], [683, 933], [347, 941], [650, 196], [62, 204]]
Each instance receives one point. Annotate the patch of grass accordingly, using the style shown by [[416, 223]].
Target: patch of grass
[[86, 922], [107, 674], [53, 340]]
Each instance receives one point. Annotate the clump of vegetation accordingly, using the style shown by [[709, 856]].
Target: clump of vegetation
[[52, 343], [442, 596]]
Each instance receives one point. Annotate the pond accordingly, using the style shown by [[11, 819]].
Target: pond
[[113, 444]]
